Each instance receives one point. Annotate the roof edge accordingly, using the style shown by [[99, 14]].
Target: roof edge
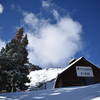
[[75, 62]]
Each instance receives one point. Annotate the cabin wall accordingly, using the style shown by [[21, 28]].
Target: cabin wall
[[69, 76]]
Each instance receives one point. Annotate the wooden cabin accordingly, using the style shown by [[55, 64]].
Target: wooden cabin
[[78, 73]]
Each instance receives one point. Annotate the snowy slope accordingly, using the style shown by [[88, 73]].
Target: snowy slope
[[91, 92], [43, 76]]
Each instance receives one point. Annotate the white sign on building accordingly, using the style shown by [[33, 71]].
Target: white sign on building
[[84, 71]]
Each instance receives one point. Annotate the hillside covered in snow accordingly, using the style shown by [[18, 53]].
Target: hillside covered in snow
[[91, 92], [44, 76]]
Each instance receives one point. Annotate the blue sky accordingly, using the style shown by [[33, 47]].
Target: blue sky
[[85, 12]]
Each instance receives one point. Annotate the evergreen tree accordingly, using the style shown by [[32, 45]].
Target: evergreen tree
[[13, 71]]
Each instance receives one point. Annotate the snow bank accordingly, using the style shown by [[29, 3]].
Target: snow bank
[[43, 76], [91, 92]]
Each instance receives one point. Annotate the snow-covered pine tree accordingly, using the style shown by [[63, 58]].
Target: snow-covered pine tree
[[13, 60]]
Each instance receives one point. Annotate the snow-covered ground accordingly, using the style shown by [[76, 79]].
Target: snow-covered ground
[[43, 76], [91, 92]]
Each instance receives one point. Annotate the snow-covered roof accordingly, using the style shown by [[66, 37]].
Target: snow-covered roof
[[73, 63]]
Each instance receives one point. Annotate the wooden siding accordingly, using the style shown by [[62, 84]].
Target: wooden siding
[[69, 76]]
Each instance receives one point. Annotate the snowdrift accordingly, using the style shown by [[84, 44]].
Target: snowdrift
[[44, 76], [91, 92]]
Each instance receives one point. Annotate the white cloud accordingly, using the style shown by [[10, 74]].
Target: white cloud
[[55, 14], [1, 9], [30, 19], [2, 44], [45, 3], [53, 44]]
